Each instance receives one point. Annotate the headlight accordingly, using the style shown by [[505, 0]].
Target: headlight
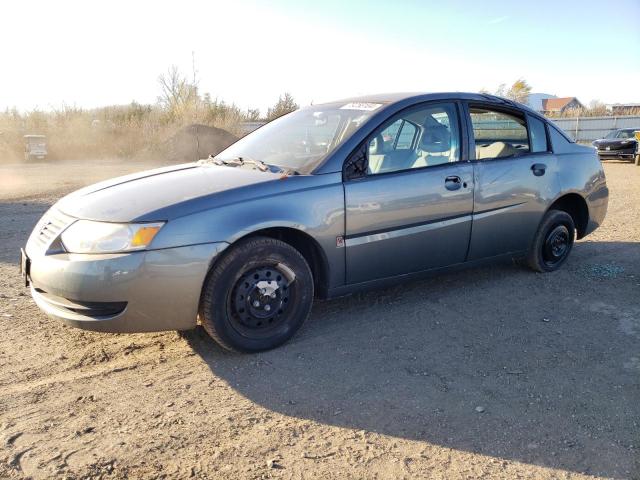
[[86, 236]]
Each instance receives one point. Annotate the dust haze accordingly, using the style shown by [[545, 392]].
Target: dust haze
[[183, 125]]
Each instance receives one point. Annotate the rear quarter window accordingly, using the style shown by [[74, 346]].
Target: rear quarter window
[[559, 142], [538, 135]]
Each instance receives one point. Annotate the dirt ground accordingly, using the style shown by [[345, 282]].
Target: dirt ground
[[494, 372]]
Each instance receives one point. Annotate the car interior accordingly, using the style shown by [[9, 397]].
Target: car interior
[[429, 136], [626, 134], [498, 134], [421, 138]]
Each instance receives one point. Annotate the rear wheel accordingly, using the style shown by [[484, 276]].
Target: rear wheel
[[257, 296], [553, 241]]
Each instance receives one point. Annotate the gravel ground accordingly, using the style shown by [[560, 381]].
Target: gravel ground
[[494, 372]]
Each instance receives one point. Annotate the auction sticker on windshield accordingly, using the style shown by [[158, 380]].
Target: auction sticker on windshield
[[369, 107]]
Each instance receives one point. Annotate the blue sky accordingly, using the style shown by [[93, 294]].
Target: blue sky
[[248, 51]]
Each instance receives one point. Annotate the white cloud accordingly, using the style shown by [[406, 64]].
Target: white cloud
[[496, 20]]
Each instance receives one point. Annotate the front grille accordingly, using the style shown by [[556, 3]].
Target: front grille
[[614, 147], [51, 225]]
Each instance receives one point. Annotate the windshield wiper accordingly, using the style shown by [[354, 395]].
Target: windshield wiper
[[258, 163], [239, 161], [262, 166]]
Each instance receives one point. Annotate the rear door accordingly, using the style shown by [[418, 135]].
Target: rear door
[[411, 211], [515, 179]]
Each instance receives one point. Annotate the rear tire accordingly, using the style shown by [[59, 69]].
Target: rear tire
[[257, 296], [553, 242]]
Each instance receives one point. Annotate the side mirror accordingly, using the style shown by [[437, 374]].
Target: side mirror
[[357, 164]]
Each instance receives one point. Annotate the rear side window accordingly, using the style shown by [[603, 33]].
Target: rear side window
[[559, 141], [538, 134], [498, 134]]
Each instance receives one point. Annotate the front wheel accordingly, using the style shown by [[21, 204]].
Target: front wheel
[[553, 241], [257, 296]]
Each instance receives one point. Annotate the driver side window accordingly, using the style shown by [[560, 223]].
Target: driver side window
[[416, 138], [397, 136]]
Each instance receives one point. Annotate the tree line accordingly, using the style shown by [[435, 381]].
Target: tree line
[[520, 90], [134, 129]]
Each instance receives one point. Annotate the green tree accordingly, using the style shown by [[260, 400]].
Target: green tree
[[284, 105], [519, 91]]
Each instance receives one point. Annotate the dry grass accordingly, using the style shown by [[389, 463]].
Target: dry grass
[[115, 131]]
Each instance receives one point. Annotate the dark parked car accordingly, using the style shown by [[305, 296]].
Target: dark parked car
[[618, 144], [324, 201]]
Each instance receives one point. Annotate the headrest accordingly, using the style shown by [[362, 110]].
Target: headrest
[[495, 150], [435, 138]]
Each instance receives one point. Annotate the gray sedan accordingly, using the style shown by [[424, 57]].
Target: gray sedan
[[322, 202]]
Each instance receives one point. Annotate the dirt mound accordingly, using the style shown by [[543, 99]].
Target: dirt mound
[[197, 141]]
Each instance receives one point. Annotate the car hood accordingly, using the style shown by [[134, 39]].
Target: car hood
[[614, 141], [145, 194]]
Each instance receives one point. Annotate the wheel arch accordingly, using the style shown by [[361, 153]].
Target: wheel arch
[[304, 243], [576, 206], [308, 247]]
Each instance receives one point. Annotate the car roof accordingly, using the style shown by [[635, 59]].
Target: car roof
[[416, 97]]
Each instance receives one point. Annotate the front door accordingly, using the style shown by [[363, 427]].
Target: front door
[[515, 180], [412, 209]]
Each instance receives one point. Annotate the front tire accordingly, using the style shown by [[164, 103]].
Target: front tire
[[257, 296], [553, 242]]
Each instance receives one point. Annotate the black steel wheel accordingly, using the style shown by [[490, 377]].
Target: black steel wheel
[[556, 245], [257, 295], [553, 241], [260, 298]]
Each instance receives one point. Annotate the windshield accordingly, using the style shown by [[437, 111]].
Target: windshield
[[621, 134], [612, 134], [301, 140], [625, 134]]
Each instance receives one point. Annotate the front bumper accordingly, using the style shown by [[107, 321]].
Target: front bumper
[[620, 153], [130, 292]]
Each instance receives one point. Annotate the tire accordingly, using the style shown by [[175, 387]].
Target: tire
[[553, 242], [257, 296]]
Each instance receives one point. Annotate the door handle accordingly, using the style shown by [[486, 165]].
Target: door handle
[[452, 182], [538, 169]]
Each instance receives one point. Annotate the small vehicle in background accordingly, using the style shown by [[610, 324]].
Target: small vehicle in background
[[617, 144], [35, 146]]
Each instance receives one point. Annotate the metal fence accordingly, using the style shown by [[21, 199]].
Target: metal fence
[[248, 127], [581, 129], [588, 129]]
